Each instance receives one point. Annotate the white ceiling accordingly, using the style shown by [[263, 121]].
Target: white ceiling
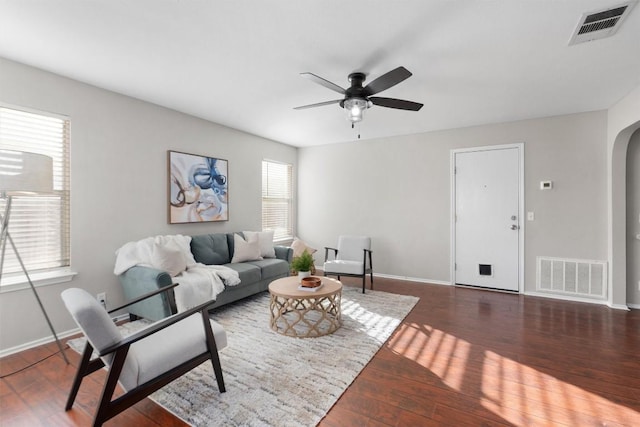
[[237, 62]]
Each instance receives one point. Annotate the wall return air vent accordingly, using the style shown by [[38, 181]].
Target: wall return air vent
[[601, 23]]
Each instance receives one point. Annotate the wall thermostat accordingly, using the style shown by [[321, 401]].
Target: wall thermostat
[[546, 185]]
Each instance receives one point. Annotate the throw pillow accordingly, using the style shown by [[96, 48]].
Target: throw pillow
[[299, 246], [245, 250], [266, 242], [168, 258]]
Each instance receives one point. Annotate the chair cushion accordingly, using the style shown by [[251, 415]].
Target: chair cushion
[[343, 267], [351, 248], [167, 349], [92, 319]]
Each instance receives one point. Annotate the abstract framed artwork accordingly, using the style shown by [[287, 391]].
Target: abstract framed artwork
[[198, 188]]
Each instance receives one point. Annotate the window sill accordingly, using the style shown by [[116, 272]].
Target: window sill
[[20, 282]]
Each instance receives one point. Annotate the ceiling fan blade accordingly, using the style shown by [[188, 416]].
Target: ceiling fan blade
[[319, 104], [400, 104], [386, 81], [323, 82]]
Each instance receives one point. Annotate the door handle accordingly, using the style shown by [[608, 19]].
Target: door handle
[[514, 227]]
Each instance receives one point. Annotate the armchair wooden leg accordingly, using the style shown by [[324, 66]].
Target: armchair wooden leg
[[213, 350], [372, 280], [106, 410], [83, 370], [364, 280]]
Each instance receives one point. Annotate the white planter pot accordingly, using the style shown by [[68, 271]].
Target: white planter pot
[[303, 274]]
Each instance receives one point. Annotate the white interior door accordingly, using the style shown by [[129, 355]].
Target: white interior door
[[486, 220]]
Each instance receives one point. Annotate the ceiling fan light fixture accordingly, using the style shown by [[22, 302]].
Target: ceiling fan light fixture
[[355, 109]]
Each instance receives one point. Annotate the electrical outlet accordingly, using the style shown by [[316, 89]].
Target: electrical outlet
[[102, 299]]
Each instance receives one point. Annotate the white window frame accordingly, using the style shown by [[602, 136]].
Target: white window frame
[[58, 268], [282, 196]]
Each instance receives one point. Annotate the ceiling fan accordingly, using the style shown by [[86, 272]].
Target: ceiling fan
[[358, 98]]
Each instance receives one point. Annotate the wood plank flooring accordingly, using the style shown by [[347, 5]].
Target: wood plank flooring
[[462, 357]]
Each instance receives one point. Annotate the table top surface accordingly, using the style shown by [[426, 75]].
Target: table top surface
[[288, 287]]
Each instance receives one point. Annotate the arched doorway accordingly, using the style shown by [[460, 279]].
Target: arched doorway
[[618, 213], [633, 221]]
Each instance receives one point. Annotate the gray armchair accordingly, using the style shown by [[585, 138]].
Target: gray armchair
[[146, 360]]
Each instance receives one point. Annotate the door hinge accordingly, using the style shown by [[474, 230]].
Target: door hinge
[[455, 170], [455, 266]]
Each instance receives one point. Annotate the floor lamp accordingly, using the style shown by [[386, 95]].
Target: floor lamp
[[24, 174]]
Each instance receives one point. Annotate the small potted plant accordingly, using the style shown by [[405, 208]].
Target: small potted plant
[[302, 264]]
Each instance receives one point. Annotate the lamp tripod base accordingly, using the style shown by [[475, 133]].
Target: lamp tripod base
[[6, 236]]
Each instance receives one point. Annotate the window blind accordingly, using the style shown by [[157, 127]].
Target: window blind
[[39, 225], [277, 199]]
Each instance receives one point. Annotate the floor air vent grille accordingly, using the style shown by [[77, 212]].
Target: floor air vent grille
[[572, 277]]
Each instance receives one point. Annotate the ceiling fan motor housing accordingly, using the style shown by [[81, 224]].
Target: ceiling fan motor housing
[[356, 91]]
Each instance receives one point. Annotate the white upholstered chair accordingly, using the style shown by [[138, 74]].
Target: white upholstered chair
[[352, 257], [146, 360]]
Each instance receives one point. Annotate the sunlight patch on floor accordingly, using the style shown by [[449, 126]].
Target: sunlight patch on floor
[[516, 392]]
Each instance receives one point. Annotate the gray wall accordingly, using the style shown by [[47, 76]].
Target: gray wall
[[118, 183], [633, 220], [397, 190]]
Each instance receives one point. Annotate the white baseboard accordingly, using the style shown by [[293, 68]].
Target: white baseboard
[[413, 279], [533, 293], [619, 307], [576, 299], [407, 278], [49, 339]]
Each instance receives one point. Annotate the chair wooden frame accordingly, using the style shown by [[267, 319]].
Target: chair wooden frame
[[367, 254], [109, 408]]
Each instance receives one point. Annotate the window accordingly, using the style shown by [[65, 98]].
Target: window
[[277, 199], [39, 225]]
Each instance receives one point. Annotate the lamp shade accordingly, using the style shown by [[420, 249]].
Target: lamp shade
[[355, 109], [25, 173]]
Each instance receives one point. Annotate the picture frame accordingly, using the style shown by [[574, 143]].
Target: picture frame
[[198, 188]]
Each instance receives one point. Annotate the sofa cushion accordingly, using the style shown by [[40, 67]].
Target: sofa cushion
[[271, 267], [211, 249], [168, 258], [299, 247], [266, 242], [248, 273], [245, 250]]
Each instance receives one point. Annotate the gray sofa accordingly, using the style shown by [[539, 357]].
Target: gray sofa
[[209, 249]]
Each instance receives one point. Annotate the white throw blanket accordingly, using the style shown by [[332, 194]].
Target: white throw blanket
[[198, 282]]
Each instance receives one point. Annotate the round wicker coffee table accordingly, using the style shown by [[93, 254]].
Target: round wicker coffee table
[[305, 314]]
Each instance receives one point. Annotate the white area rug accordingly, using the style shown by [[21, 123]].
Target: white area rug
[[275, 380]]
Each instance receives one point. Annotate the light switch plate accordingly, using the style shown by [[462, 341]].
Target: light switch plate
[[530, 216]]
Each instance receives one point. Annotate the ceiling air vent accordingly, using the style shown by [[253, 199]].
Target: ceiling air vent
[[601, 23]]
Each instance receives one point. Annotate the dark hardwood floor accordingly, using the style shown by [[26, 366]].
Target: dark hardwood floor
[[462, 357]]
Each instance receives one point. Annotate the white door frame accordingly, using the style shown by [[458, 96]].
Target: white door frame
[[522, 219]]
